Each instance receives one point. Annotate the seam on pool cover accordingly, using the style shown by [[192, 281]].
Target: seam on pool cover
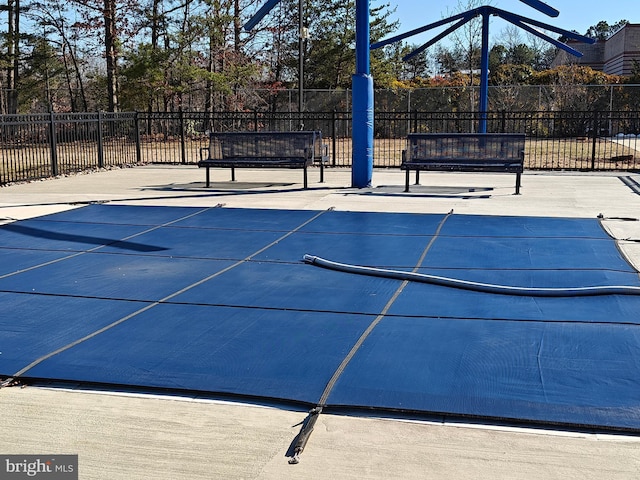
[[378, 319], [307, 428], [540, 369]]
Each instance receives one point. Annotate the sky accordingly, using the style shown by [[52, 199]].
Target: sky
[[576, 15]]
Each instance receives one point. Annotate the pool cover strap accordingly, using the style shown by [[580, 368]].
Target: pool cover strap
[[308, 425]]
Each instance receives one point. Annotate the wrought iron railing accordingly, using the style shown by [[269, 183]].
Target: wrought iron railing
[[43, 145]]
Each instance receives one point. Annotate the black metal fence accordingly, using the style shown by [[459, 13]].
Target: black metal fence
[[44, 145], [37, 146]]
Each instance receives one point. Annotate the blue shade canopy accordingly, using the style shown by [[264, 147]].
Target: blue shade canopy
[[517, 20], [260, 14], [485, 12], [542, 7]]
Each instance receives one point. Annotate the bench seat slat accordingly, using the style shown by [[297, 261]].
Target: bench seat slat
[[240, 162], [460, 166]]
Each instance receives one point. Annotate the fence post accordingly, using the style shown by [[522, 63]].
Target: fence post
[[415, 121], [183, 151], [333, 137], [100, 143], [503, 121], [136, 126], [255, 120], [595, 127], [53, 144]]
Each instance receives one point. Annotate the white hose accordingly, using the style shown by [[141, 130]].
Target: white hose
[[475, 286]]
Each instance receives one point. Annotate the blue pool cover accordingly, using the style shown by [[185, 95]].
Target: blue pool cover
[[219, 301]]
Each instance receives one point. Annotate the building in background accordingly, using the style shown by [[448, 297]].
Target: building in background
[[614, 56]]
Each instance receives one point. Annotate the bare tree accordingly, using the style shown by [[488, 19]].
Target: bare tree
[[468, 38], [113, 19], [13, 54], [52, 16]]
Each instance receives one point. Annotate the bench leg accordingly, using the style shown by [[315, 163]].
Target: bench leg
[[233, 174], [518, 183], [321, 171], [208, 178], [305, 176], [417, 177], [406, 180]]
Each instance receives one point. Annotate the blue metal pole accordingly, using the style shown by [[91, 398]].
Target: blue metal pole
[[484, 73], [362, 108], [362, 37]]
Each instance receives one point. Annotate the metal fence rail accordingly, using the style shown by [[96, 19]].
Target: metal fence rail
[[555, 140], [43, 145]]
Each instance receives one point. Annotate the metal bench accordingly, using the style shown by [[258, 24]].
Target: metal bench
[[264, 150], [464, 152]]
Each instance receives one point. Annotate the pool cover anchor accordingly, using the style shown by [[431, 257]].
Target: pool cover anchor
[[305, 432], [9, 382]]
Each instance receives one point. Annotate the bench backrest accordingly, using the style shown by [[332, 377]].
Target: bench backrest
[[265, 145], [496, 147]]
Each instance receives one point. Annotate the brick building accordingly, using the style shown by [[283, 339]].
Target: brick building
[[614, 56]]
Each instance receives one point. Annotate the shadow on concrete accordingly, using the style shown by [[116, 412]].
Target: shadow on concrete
[[427, 191]]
